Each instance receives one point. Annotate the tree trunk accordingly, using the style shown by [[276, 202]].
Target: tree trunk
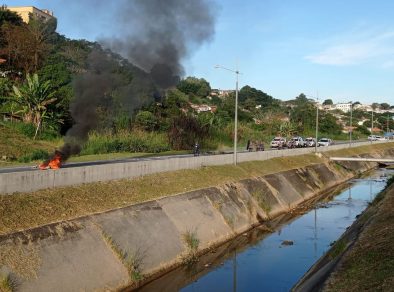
[[38, 127]]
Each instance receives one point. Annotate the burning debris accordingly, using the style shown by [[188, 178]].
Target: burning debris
[[53, 163]]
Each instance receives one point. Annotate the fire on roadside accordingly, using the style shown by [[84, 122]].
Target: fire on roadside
[[54, 163]]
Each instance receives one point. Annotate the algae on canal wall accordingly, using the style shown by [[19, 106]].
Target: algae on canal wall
[[124, 247]]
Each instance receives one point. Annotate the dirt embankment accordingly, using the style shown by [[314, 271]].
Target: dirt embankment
[[369, 263], [126, 246], [363, 258]]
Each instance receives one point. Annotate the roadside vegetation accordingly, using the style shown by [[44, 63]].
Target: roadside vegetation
[[37, 90], [368, 265]]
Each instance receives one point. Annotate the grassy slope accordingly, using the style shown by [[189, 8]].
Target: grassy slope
[[16, 145], [368, 265], [13, 144]]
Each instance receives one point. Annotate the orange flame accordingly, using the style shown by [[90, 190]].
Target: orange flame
[[53, 163]]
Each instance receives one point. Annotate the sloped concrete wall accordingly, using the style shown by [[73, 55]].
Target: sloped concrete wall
[[117, 248]]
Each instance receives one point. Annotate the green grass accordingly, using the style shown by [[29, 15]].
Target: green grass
[[6, 284], [126, 141], [192, 242], [14, 145], [132, 261], [368, 265]]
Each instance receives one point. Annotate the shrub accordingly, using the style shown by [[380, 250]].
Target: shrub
[[37, 154], [136, 141]]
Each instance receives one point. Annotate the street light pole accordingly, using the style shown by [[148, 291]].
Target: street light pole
[[236, 110], [317, 120], [351, 124], [372, 123]]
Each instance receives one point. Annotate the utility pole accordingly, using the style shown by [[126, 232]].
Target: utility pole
[[236, 110], [351, 124], [317, 120], [387, 130], [372, 123]]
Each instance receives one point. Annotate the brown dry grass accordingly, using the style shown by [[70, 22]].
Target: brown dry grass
[[21, 211], [368, 266]]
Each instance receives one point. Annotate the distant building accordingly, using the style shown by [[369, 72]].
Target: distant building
[[200, 108], [221, 93], [25, 12], [345, 107]]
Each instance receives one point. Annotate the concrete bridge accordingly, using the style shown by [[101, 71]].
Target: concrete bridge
[[378, 160]]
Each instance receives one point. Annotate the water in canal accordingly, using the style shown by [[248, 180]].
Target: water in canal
[[258, 260]]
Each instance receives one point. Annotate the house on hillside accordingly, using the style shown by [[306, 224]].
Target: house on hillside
[[25, 11]]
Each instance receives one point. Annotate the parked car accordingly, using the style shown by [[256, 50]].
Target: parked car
[[296, 142], [372, 138], [380, 138], [310, 142], [278, 142], [325, 142]]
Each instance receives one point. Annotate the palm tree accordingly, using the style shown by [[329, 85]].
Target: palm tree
[[34, 97]]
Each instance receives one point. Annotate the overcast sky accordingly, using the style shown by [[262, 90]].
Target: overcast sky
[[342, 50]]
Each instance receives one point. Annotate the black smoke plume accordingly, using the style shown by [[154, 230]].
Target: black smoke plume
[[156, 37]]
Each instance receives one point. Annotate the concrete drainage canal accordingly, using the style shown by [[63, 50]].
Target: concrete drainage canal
[[275, 258]]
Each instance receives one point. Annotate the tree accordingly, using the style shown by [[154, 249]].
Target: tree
[[375, 105], [33, 98], [328, 102], [192, 85], [9, 16], [328, 124], [186, 130], [303, 113], [384, 106], [252, 94], [146, 120], [41, 32]]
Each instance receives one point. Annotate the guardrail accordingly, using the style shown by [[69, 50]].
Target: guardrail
[[26, 181]]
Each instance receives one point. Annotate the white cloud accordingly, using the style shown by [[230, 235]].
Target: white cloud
[[355, 51]]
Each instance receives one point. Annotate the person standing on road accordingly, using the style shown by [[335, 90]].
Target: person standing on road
[[196, 149]]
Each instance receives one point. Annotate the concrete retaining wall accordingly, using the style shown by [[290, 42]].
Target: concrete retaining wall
[[35, 180], [115, 249]]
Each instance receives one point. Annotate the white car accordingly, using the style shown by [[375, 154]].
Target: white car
[[278, 142], [296, 142], [372, 138], [325, 142], [310, 142], [380, 138]]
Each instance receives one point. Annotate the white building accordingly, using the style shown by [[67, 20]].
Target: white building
[[345, 107]]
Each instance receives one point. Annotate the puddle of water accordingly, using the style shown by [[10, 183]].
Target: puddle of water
[[260, 262]]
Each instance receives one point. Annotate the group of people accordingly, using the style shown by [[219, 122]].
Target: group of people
[[255, 145]]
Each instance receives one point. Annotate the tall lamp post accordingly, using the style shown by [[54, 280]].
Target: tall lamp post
[[372, 123], [317, 117], [351, 124], [236, 109], [317, 120]]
